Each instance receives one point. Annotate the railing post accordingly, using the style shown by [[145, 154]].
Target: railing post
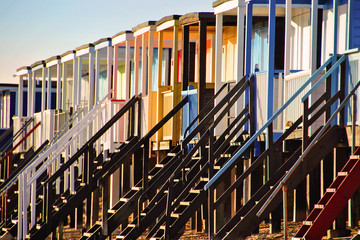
[[105, 205], [252, 123], [168, 209], [342, 91], [211, 189], [132, 123], [354, 112], [139, 124], [305, 134], [145, 164], [328, 92]]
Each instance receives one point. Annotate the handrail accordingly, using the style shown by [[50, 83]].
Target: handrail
[[310, 146], [21, 141], [335, 66], [16, 135], [56, 147], [66, 124], [267, 124], [222, 102], [50, 149], [206, 119], [206, 107], [93, 139]]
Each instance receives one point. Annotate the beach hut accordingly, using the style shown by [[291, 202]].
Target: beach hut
[[169, 82]]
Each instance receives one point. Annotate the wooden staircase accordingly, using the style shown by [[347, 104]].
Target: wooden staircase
[[333, 201]]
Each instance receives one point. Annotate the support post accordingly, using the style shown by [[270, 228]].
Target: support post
[[91, 78], [21, 97], [58, 86], [287, 37], [49, 89]]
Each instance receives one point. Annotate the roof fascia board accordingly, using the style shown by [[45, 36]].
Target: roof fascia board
[[166, 25], [84, 51], [122, 38], [68, 57], [53, 63], [103, 45], [23, 72], [227, 6], [144, 30]]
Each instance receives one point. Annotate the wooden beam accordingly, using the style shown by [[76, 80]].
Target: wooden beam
[[202, 64], [287, 37], [58, 86], [185, 57], [49, 89]]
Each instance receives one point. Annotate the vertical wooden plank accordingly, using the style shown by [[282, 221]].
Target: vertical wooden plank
[[109, 66], [144, 81], [79, 76], [43, 89], [218, 55], [314, 33], [159, 134], [202, 64], [91, 78], [33, 90], [127, 69], [287, 37], [75, 81], [49, 89], [185, 57], [176, 87], [97, 74], [136, 64], [115, 70], [29, 94], [21, 96], [64, 87], [105, 206], [58, 86], [151, 103]]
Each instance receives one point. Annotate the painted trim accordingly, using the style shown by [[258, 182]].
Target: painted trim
[[23, 72], [144, 30], [82, 52], [103, 45], [41, 66], [69, 57], [122, 38], [227, 6], [166, 25], [53, 63]]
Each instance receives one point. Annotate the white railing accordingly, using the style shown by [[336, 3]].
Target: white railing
[[292, 83], [66, 146], [262, 99]]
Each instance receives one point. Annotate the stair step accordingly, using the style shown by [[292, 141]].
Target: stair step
[[342, 174], [319, 206], [107, 159], [159, 165], [235, 144], [124, 199], [171, 154], [331, 190], [197, 191], [308, 223]]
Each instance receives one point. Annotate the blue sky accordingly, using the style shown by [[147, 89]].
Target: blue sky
[[38, 29]]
